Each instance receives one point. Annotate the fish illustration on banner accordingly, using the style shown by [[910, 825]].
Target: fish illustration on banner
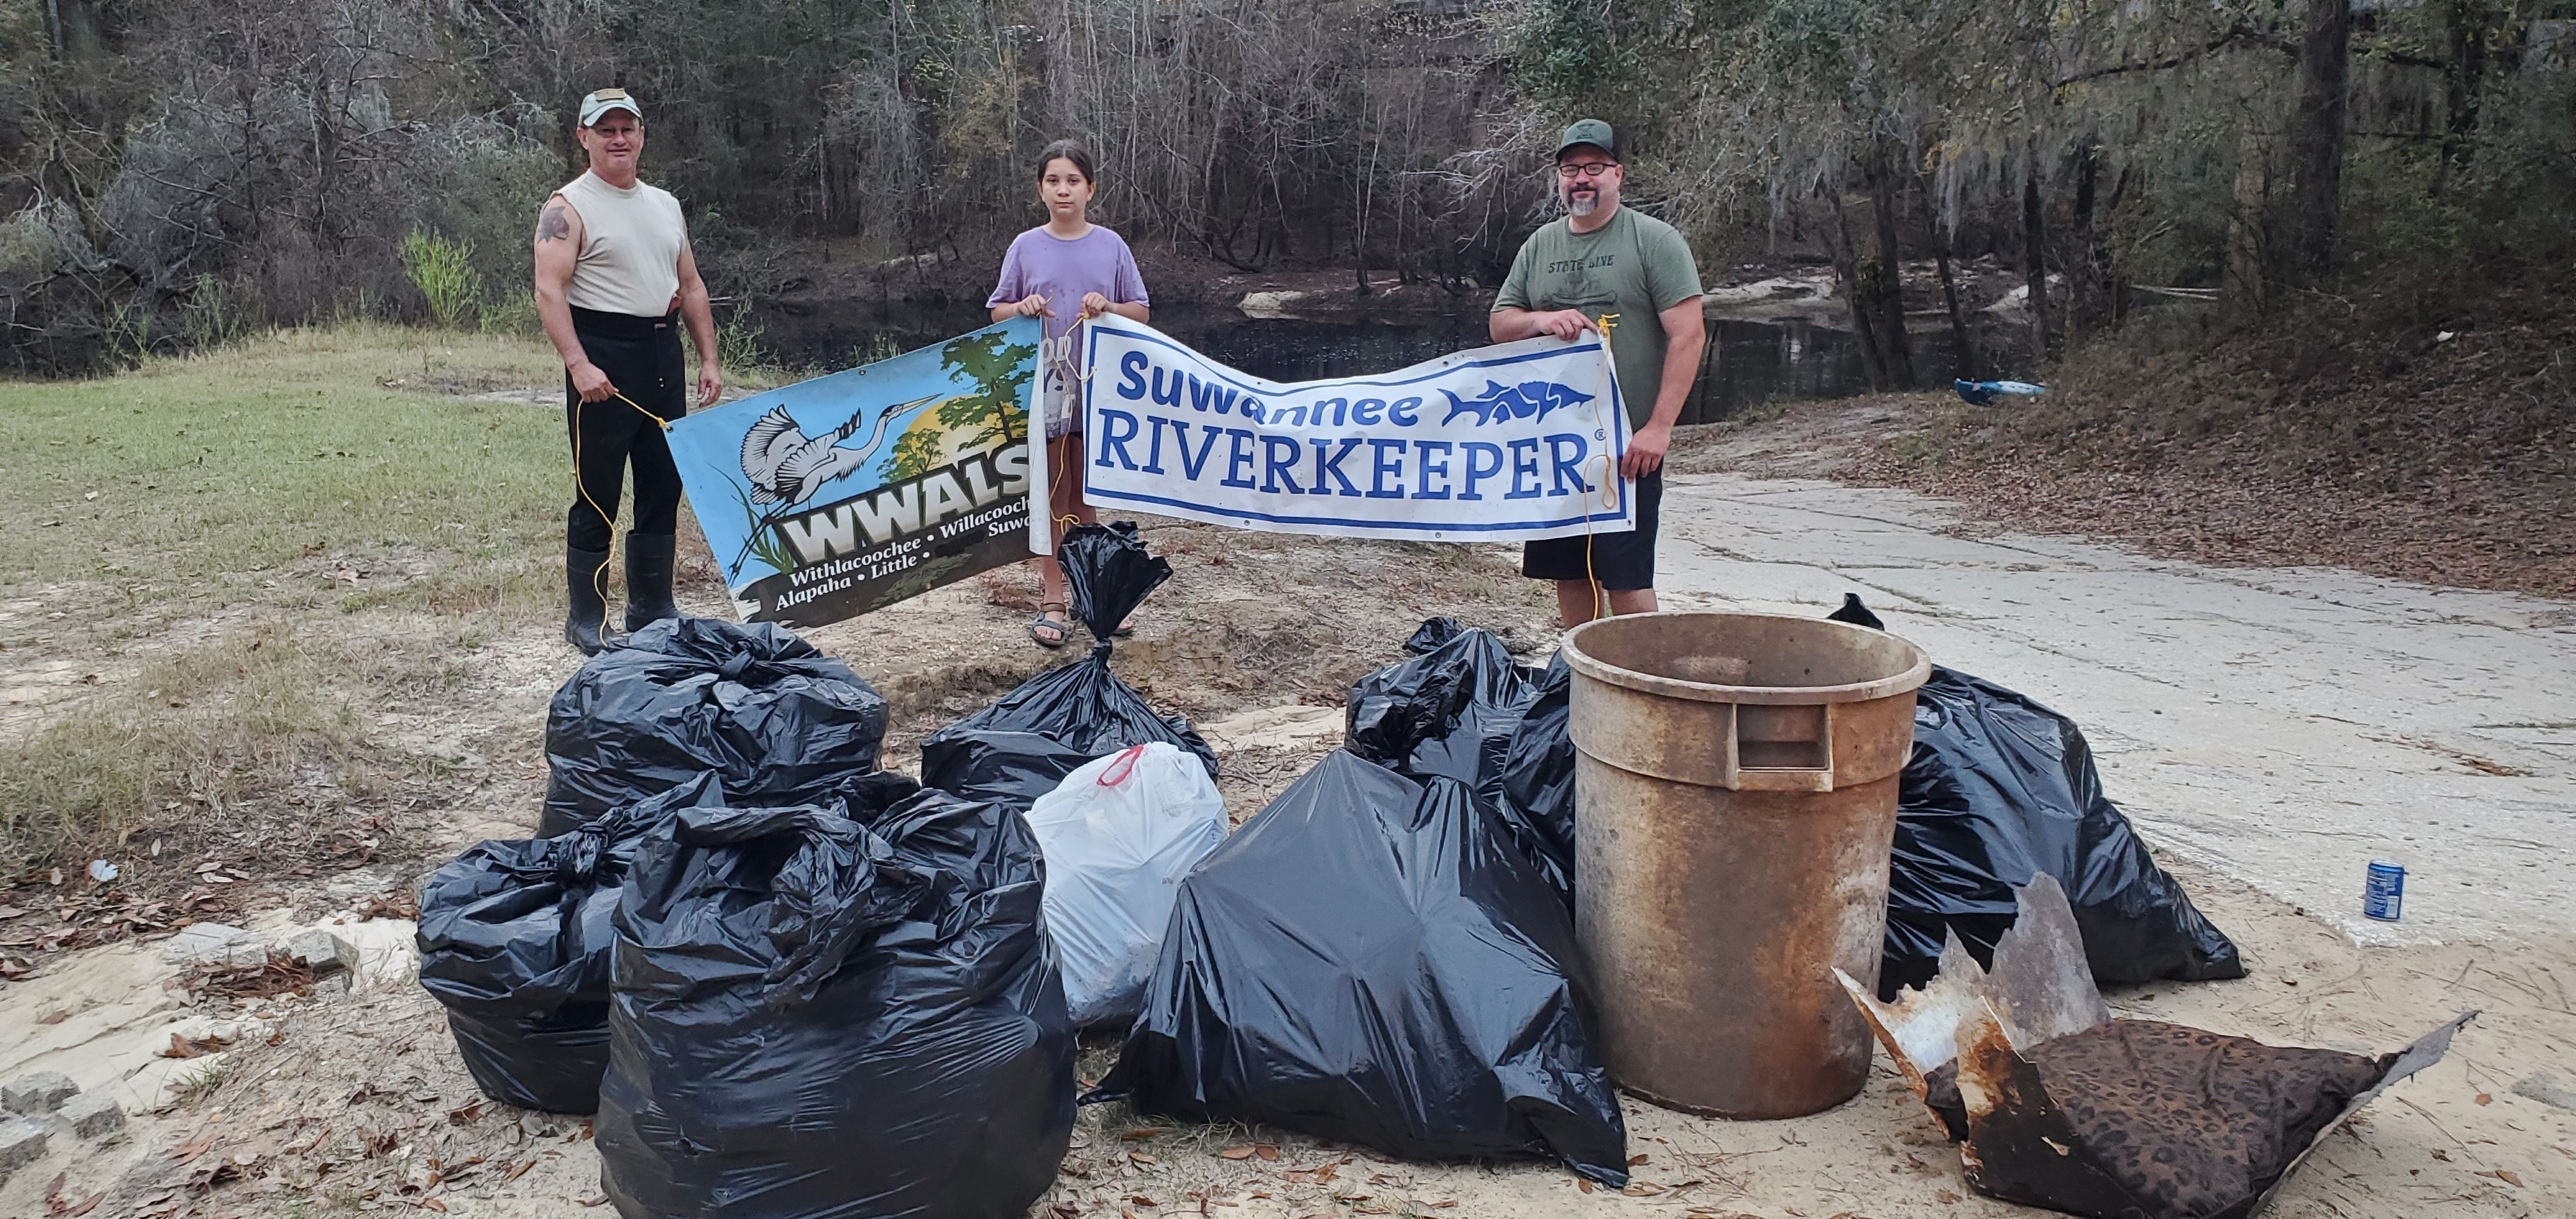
[[831, 497], [1499, 444]]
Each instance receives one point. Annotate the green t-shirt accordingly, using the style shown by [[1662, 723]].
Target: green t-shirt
[[1635, 266]]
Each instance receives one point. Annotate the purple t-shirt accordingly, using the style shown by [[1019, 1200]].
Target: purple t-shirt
[[1043, 264]]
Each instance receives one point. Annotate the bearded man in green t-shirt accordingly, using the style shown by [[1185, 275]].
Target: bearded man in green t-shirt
[[1602, 259]]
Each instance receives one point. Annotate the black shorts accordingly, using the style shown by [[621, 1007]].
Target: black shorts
[[1622, 562]]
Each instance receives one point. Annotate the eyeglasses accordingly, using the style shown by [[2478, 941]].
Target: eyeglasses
[[1585, 169]]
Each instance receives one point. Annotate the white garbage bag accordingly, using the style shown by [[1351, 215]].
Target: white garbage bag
[[1119, 834]]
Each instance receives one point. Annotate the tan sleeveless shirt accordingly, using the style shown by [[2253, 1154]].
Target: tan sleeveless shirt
[[631, 242]]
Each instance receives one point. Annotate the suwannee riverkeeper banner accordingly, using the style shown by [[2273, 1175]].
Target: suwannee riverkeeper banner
[[831, 497], [1505, 443]]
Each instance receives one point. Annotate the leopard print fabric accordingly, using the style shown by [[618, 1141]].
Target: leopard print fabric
[[2191, 1122]]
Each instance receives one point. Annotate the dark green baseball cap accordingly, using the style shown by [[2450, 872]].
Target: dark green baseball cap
[[1589, 131]]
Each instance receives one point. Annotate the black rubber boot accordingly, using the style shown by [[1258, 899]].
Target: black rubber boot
[[586, 579], [648, 579]]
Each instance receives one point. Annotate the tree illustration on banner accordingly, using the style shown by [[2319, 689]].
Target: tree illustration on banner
[[991, 416]]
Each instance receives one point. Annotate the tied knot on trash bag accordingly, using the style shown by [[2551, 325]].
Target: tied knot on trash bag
[[1025, 743], [1109, 573], [825, 895], [776, 719], [815, 1016], [1368, 962], [514, 941], [1462, 708]]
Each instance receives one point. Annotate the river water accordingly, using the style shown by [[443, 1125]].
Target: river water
[[1754, 362]]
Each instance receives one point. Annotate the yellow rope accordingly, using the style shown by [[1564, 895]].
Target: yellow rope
[[1609, 472], [599, 575]]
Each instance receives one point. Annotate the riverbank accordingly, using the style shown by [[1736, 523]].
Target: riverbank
[[300, 595], [2436, 450]]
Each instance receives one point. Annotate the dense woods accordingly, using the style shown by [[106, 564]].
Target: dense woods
[[172, 173]]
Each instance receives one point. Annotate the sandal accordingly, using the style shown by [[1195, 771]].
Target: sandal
[[1040, 627]]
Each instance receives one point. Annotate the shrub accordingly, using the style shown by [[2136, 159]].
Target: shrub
[[444, 272]]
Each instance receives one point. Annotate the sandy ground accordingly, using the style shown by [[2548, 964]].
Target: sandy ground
[[359, 1103]]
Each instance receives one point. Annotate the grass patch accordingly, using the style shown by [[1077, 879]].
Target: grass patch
[[319, 524], [195, 476], [208, 731]]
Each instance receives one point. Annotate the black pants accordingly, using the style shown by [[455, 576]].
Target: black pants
[[641, 356]]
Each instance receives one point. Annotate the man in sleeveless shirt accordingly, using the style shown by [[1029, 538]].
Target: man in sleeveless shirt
[[1603, 258], [615, 279]]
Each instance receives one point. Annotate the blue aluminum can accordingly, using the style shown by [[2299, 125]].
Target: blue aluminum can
[[2383, 892]]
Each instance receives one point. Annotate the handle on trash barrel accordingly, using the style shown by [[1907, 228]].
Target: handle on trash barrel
[[1781, 748]]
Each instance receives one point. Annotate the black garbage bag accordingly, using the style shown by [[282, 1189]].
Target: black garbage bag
[[1368, 962], [1027, 741], [1538, 777], [777, 719], [1857, 614], [1454, 711], [820, 1019], [1450, 710], [1999, 788], [514, 939]]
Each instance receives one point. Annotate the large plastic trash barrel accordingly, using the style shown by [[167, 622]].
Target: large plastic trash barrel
[[1735, 794]]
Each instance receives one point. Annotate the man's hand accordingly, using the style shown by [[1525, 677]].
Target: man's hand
[[1565, 324], [1094, 304], [590, 382], [1035, 306], [710, 383], [1646, 450]]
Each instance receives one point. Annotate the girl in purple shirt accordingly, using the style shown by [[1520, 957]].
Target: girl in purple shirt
[[1065, 270]]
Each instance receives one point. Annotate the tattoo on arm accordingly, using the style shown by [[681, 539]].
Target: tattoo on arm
[[553, 225]]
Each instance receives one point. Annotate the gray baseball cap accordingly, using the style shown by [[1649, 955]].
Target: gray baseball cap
[[597, 106], [1589, 131]]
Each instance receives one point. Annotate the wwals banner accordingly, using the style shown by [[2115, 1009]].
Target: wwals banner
[[1503, 443], [834, 496]]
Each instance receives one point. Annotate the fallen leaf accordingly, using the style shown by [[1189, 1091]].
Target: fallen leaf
[[91, 1205], [601, 1200], [56, 1016], [1267, 1151], [1237, 1153], [433, 1204], [7, 912], [1146, 1133], [1140, 1157], [188, 1152], [2485, 1099], [56, 878], [1943, 1195], [1142, 1200], [518, 1171], [1324, 1174], [1636, 1160], [465, 1115], [1583, 1183]]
